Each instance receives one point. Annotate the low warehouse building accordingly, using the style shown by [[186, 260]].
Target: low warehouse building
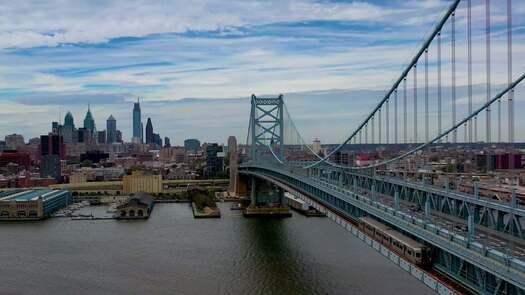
[[32, 204], [138, 206]]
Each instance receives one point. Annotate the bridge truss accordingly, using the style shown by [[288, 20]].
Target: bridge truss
[[477, 241]]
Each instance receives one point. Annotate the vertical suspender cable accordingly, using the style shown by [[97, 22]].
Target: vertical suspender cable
[[439, 80], [415, 103], [469, 66], [379, 126], [366, 133], [499, 120], [387, 123], [453, 53], [426, 96], [487, 51], [509, 64], [405, 133], [395, 116], [373, 129]]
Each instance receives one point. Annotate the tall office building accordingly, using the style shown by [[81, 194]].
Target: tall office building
[[214, 160], [232, 156], [149, 132], [51, 151], [68, 129], [137, 123], [89, 122], [69, 121], [167, 143], [111, 129]]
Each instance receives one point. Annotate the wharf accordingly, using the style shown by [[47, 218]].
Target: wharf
[[270, 212], [172, 201], [92, 218], [212, 212]]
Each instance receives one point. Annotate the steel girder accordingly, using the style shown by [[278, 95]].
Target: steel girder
[[505, 218], [266, 123], [484, 262]]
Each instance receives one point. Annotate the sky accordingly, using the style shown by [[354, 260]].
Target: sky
[[195, 64]]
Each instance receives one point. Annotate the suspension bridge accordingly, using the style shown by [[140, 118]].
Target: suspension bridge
[[477, 243]]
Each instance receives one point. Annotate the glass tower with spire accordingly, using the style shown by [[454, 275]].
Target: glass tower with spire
[[89, 122], [137, 123]]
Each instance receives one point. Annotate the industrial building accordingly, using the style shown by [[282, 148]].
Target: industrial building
[[32, 204], [140, 182]]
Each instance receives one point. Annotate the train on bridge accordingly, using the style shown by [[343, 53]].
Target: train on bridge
[[410, 249]]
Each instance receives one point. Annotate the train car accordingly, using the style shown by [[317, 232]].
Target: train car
[[375, 229], [404, 246]]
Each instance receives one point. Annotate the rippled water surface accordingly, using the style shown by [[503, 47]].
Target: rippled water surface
[[172, 253]]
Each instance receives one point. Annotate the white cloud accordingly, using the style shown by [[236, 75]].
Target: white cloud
[[48, 23], [254, 60]]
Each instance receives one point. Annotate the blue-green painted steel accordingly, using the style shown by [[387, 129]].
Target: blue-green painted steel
[[266, 125], [492, 265]]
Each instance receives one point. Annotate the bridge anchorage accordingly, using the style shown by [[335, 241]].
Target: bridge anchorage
[[468, 241]]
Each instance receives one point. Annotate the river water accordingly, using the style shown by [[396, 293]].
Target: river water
[[173, 253]]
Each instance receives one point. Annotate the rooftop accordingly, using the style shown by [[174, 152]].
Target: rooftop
[[27, 195]]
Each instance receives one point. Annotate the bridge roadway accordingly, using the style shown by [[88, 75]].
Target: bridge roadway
[[486, 236], [497, 215], [510, 268]]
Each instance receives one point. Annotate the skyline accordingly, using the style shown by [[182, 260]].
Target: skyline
[[65, 56]]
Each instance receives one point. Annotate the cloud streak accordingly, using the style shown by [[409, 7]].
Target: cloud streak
[[62, 55]]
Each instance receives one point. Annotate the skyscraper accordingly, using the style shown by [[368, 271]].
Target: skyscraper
[[214, 160], [51, 151], [167, 142], [68, 130], [137, 123], [69, 121], [149, 132], [111, 129], [89, 122], [232, 156]]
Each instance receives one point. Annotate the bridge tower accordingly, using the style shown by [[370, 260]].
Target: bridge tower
[[266, 136], [266, 126]]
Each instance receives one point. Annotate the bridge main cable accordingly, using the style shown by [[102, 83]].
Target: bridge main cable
[[407, 70], [452, 129]]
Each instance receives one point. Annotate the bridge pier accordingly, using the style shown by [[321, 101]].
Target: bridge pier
[[266, 200]]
